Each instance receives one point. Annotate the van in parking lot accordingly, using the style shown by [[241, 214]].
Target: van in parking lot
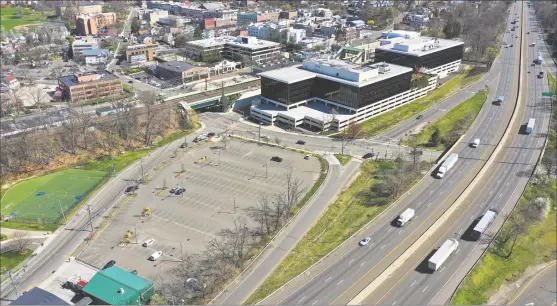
[[148, 242], [155, 256]]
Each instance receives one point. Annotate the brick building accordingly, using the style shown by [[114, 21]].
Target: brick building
[[89, 86], [90, 24]]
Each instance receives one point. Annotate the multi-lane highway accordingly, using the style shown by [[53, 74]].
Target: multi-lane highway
[[340, 277], [540, 290], [500, 190]]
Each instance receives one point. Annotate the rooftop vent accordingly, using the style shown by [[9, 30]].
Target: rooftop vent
[[120, 291]]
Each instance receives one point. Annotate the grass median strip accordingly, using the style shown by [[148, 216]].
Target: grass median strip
[[343, 159], [378, 185], [376, 125], [452, 125]]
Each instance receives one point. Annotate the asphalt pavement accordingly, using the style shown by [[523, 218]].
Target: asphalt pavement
[[351, 268], [540, 290]]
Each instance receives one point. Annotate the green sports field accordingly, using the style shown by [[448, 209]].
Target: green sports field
[[44, 197]]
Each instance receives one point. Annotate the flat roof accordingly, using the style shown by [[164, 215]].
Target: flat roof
[[176, 66], [315, 110], [295, 74], [70, 79], [253, 43], [415, 46], [211, 42]]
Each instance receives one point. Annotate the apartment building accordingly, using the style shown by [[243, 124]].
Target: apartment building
[[95, 56], [91, 24], [239, 48], [139, 54], [89, 86], [247, 17], [81, 44]]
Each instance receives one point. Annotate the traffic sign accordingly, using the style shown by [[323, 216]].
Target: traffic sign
[[547, 94]]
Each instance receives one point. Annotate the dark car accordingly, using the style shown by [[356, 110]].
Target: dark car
[[510, 45], [419, 117], [300, 142], [276, 159], [368, 155], [109, 264], [184, 145], [134, 272], [132, 188], [211, 134]]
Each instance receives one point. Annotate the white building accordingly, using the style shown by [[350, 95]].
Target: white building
[[95, 56], [208, 34], [234, 48], [296, 35]]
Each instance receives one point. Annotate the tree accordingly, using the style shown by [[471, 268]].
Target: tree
[[21, 241], [435, 138], [354, 130], [135, 25], [38, 96], [453, 28], [414, 144], [197, 33], [19, 11], [181, 39], [549, 162], [262, 214]]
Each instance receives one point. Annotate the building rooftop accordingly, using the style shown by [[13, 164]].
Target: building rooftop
[[84, 40], [38, 296], [419, 46], [211, 42], [95, 52], [116, 286], [141, 46], [250, 42], [71, 80], [338, 71], [176, 66]]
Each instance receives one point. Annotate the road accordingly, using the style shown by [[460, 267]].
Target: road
[[345, 272], [540, 290], [500, 190]]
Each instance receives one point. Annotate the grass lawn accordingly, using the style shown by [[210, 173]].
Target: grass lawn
[[10, 260], [9, 19], [532, 248], [45, 195], [355, 207], [343, 159], [376, 125], [447, 122], [3, 237]]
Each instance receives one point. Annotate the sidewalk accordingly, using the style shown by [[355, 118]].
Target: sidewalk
[[245, 284]]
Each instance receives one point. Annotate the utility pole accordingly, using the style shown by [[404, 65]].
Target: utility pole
[[142, 173], [13, 284], [266, 169], [62, 211], [181, 252], [90, 221], [219, 158], [259, 138]]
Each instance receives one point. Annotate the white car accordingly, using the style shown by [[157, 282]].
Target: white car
[[148, 242], [307, 156], [365, 241], [155, 256]]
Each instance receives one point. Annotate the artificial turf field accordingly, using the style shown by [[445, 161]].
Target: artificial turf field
[[43, 196]]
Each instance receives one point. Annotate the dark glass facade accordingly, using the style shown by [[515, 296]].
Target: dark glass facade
[[350, 96], [431, 60]]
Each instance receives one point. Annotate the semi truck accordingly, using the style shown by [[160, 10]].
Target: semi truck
[[484, 223], [530, 125], [500, 100], [447, 164], [446, 249], [405, 217]]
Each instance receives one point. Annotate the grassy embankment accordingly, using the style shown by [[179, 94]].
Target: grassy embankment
[[343, 159]]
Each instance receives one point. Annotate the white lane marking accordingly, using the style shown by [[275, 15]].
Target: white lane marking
[[443, 267], [500, 195], [382, 247], [459, 171], [440, 193], [340, 282], [328, 279], [393, 303], [413, 283], [508, 183], [491, 192], [471, 217], [390, 229], [315, 302], [498, 181], [450, 182], [299, 301], [428, 204], [459, 231], [400, 232], [458, 250], [425, 289], [374, 242], [363, 263], [351, 260]]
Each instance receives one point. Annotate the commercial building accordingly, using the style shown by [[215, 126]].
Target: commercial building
[[89, 86], [38, 296], [114, 286], [288, 15], [91, 24], [95, 56], [175, 70], [81, 44], [440, 56], [152, 16], [240, 48], [325, 94], [139, 54], [247, 17]]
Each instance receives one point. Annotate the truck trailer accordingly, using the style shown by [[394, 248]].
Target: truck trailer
[[447, 164], [405, 217], [446, 249], [530, 125], [484, 223]]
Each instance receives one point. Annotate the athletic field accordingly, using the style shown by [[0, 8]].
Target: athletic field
[[41, 200]]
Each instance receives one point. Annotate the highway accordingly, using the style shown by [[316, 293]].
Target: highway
[[349, 269], [540, 290], [500, 190]]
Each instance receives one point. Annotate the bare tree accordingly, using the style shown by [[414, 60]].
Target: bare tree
[[38, 96], [21, 240], [149, 123], [278, 140], [414, 144], [262, 214], [549, 162]]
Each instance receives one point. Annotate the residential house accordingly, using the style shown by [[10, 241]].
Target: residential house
[[95, 56], [9, 82]]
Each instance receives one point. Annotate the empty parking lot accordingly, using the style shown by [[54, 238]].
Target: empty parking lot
[[217, 191]]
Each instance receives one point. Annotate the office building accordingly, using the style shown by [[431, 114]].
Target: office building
[[440, 56], [175, 70], [152, 16], [81, 44], [89, 85], [241, 48], [139, 54], [326, 94]]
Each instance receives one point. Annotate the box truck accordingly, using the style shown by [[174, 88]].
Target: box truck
[[446, 249], [484, 223], [405, 217], [475, 143], [500, 100], [530, 125], [447, 164]]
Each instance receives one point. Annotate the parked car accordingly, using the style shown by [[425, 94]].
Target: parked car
[[364, 241], [308, 156], [368, 155], [179, 191], [276, 159], [184, 145], [109, 264], [155, 256], [173, 190], [148, 242], [419, 117], [211, 134], [300, 142], [131, 188]]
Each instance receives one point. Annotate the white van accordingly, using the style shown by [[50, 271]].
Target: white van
[[475, 143], [155, 256], [148, 242]]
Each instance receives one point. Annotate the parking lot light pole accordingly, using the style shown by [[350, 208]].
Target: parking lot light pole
[[135, 233]]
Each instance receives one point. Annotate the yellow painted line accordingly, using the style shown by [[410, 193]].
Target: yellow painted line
[[530, 282]]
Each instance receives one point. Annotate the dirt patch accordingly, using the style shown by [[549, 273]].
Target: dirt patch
[[508, 291], [25, 26]]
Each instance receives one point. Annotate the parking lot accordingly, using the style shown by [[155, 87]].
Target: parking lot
[[217, 191]]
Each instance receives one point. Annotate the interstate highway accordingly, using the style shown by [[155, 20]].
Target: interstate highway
[[341, 276], [500, 190]]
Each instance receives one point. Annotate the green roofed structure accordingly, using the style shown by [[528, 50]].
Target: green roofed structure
[[114, 286]]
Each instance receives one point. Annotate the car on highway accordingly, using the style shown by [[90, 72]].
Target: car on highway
[[148, 242], [276, 159], [174, 188], [540, 75], [368, 155], [131, 188], [109, 264], [511, 46], [365, 241], [155, 256], [419, 117], [183, 146], [307, 156], [300, 142]]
